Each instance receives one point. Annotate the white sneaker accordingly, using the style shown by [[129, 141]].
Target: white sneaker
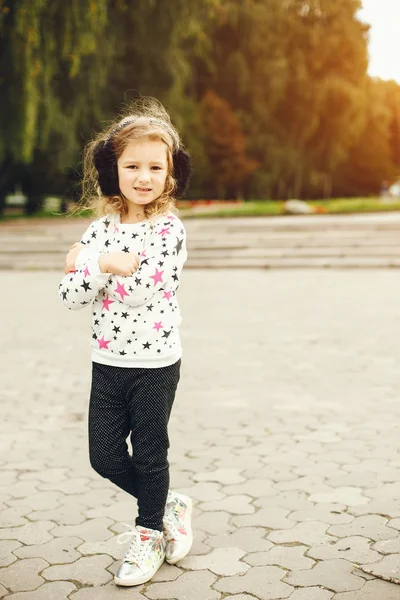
[[144, 557], [177, 527]]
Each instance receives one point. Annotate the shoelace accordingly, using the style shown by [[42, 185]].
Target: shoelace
[[173, 532], [136, 550]]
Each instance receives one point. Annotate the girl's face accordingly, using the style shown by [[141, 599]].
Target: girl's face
[[142, 172]]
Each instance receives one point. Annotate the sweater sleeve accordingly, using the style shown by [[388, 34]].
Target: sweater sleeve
[[78, 288], [160, 267]]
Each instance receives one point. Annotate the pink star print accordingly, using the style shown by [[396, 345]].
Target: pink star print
[[121, 290], [167, 295], [158, 326], [164, 231], [103, 343], [86, 272], [106, 303], [143, 253], [116, 230], [157, 276]]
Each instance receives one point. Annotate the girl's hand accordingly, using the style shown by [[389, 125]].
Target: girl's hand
[[71, 257], [119, 263]]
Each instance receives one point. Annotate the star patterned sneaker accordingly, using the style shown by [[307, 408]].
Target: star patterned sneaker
[[177, 527], [144, 557]]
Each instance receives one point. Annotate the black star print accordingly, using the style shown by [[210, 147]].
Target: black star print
[[125, 249], [178, 246], [115, 314], [147, 285], [158, 350], [107, 243], [115, 337], [122, 352], [138, 281], [130, 289], [106, 222], [117, 329], [146, 346], [96, 322], [134, 235], [124, 315], [160, 264], [93, 234], [64, 295], [129, 341], [150, 307], [165, 253], [166, 334], [144, 262], [94, 336], [83, 303], [175, 277]]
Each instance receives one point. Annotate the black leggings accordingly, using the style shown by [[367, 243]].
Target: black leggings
[[135, 401]]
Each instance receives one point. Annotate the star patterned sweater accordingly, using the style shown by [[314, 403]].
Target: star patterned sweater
[[135, 320]]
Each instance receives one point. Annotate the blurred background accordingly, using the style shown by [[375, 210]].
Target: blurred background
[[276, 99]]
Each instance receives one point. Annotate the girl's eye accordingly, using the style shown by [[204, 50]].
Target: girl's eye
[[132, 167], [157, 168]]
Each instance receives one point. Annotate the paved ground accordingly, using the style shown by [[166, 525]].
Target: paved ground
[[285, 432]]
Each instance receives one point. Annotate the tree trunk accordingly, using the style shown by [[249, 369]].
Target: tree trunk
[[327, 192]]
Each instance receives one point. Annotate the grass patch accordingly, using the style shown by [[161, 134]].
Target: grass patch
[[45, 214], [271, 208], [254, 208]]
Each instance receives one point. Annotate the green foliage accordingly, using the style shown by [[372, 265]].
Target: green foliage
[[271, 96], [225, 146]]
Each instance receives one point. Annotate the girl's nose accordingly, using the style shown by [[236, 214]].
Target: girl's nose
[[144, 176]]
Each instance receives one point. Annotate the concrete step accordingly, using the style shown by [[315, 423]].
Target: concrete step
[[353, 241], [51, 262]]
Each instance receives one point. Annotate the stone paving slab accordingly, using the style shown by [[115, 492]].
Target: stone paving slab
[[285, 432]]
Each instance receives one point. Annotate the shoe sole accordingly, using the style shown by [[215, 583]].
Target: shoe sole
[[189, 541], [144, 579]]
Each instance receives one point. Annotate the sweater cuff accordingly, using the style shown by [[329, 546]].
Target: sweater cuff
[[90, 259]]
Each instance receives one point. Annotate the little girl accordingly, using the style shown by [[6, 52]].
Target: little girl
[[128, 266]]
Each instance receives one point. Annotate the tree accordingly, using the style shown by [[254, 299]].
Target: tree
[[54, 65], [294, 72], [371, 158], [225, 147]]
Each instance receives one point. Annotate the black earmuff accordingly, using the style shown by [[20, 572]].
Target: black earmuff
[[105, 162], [182, 171]]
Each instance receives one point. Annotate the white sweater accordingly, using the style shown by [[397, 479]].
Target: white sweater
[[135, 319]]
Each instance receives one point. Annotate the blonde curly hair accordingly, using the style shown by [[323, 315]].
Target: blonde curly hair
[[145, 118]]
